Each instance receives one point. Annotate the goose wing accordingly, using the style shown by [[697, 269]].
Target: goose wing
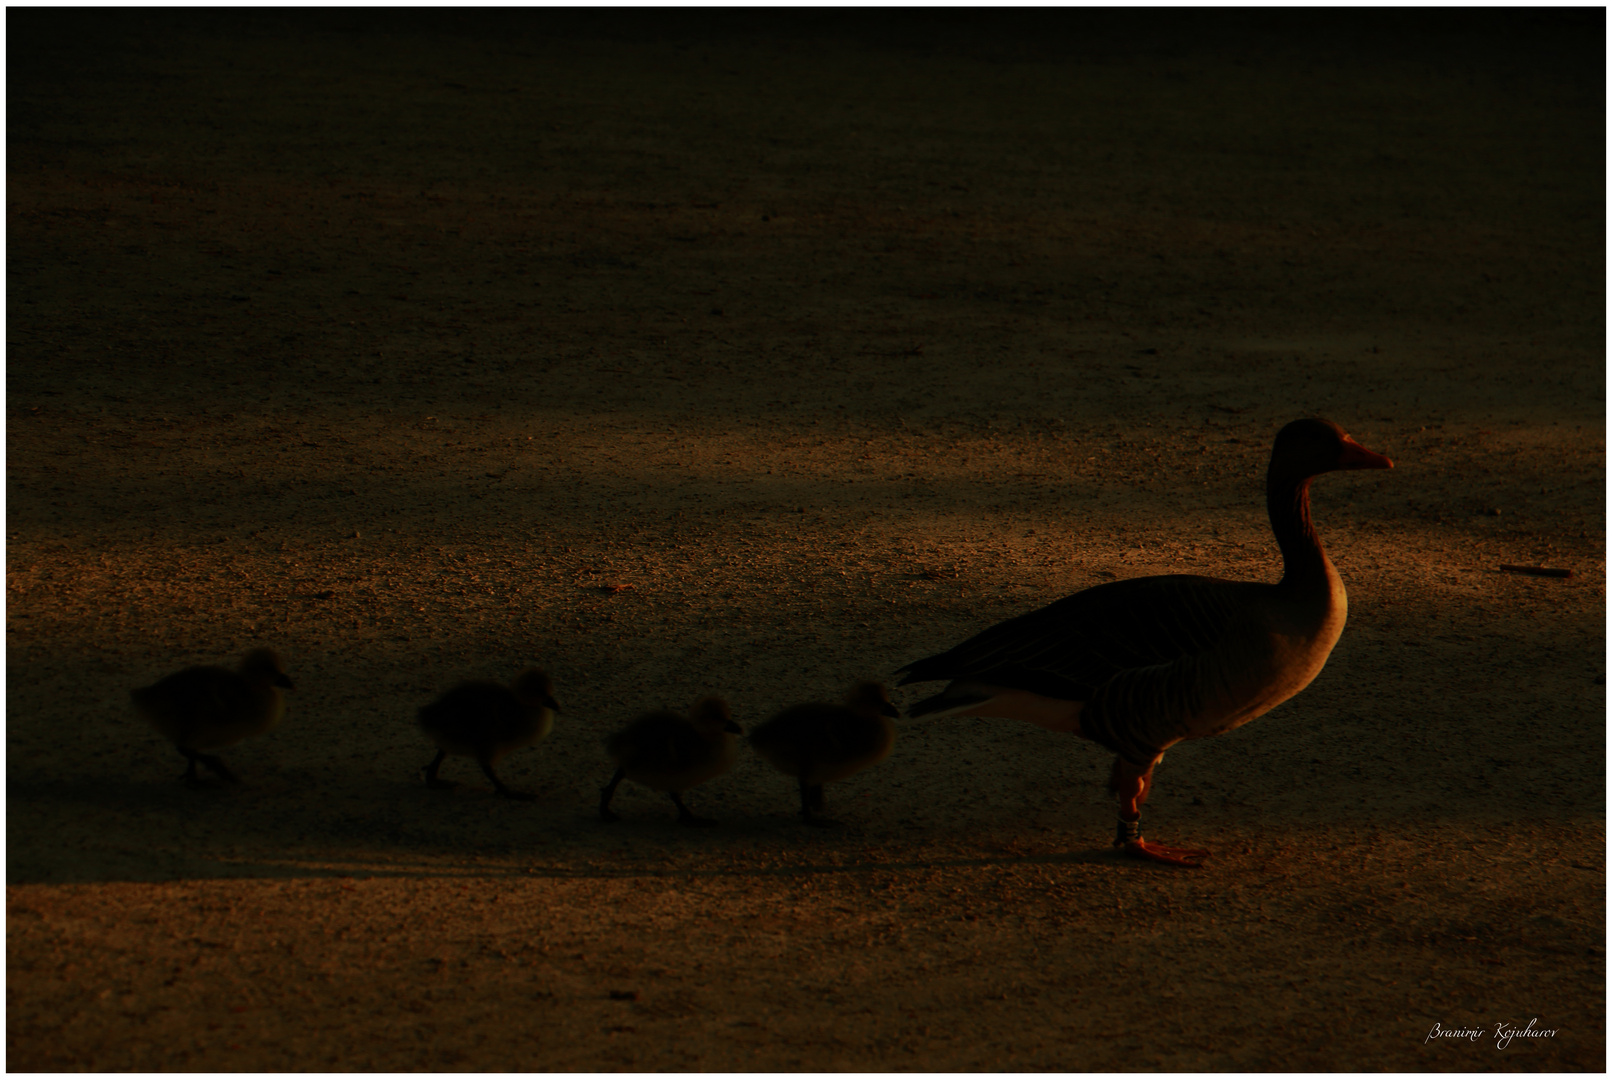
[[1070, 648]]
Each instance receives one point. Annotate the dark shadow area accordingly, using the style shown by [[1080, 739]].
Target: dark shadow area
[[1567, 41]]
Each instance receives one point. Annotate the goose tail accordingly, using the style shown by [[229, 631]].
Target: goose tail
[[953, 701]]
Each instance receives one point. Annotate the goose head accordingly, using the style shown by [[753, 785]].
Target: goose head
[[1313, 446], [262, 667], [533, 687], [871, 698], [712, 718]]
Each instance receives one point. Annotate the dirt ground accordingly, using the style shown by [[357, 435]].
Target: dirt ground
[[753, 354]]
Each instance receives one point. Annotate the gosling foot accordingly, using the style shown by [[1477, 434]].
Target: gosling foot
[[432, 780], [221, 770], [685, 816], [214, 764], [486, 762]]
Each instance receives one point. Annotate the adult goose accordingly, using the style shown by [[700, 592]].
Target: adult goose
[[485, 721], [206, 708], [1141, 664]]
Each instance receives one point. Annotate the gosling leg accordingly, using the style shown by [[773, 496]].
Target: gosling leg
[[431, 777], [687, 817], [811, 804], [216, 763], [485, 760], [607, 793]]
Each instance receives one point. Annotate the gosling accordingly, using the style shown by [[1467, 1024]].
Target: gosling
[[485, 721], [819, 742], [672, 753], [206, 707]]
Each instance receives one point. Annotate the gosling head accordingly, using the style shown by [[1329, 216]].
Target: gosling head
[[871, 697], [533, 687], [263, 666], [711, 717]]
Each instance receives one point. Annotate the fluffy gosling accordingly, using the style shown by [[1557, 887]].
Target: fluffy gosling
[[206, 707], [672, 753], [485, 721], [819, 742]]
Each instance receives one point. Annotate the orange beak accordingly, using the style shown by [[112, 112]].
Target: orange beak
[[1355, 456]]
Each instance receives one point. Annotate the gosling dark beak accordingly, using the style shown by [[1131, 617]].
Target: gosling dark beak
[[729, 725], [281, 679], [550, 703], [890, 710]]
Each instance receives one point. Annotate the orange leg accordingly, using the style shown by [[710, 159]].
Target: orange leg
[[1132, 786]]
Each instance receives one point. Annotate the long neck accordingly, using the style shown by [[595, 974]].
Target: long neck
[[1303, 560]]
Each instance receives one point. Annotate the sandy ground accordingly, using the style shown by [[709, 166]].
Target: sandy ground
[[754, 355]]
